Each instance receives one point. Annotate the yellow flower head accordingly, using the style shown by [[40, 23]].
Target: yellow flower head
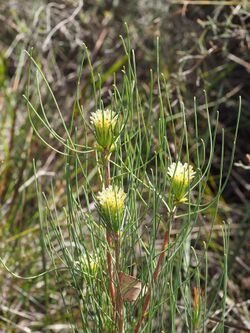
[[181, 177], [104, 123], [111, 206]]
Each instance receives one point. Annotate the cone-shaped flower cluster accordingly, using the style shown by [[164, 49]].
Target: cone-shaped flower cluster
[[104, 123], [181, 177], [111, 203]]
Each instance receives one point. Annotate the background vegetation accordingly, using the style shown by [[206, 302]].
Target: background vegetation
[[203, 45]]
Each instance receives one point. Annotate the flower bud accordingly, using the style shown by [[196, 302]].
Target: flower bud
[[181, 177], [88, 266], [104, 123]]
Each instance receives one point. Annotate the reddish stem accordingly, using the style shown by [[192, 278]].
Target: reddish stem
[[110, 272], [155, 275], [107, 168], [109, 238], [118, 289]]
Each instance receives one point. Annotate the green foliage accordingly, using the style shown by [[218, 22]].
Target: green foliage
[[53, 245]]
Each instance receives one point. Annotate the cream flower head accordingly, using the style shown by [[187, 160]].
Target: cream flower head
[[181, 177], [104, 123], [111, 203]]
